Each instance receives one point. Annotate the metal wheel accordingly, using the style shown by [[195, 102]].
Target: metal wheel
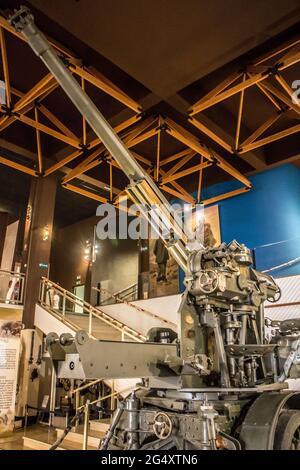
[[287, 436], [208, 281], [162, 426], [296, 440]]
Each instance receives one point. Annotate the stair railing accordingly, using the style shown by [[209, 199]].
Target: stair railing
[[138, 308], [60, 302]]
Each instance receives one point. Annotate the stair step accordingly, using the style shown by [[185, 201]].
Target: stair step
[[100, 425], [29, 443], [36, 444], [76, 436]]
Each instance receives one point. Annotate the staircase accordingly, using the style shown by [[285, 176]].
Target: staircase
[[61, 311], [41, 438], [65, 307]]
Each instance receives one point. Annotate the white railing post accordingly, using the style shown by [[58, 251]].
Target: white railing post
[[86, 426], [90, 322], [22, 283], [123, 336], [52, 396], [42, 299], [64, 305]]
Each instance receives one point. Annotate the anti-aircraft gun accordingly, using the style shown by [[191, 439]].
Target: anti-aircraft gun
[[218, 383]]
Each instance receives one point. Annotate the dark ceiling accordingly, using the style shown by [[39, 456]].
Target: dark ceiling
[[165, 53], [168, 44]]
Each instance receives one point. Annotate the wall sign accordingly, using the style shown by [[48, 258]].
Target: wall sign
[[44, 265]]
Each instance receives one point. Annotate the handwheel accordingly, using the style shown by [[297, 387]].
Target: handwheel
[[162, 426], [276, 297], [287, 435], [208, 281]]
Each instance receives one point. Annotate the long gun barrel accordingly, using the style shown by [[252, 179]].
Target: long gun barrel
[[142, 190]]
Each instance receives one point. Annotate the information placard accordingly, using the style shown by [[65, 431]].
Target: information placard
[[9, 358]]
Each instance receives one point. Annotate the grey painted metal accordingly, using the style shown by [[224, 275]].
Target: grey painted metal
[[259, 426], [83, 357], [99, 358]]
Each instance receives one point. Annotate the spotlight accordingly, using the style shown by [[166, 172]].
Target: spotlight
[[45, 233]]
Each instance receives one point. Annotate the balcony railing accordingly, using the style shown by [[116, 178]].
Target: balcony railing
[[12, 287]]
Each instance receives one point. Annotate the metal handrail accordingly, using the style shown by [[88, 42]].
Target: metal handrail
[[139, 309], [83, 387], [118, 296], [86, 410], [91, 311], [132, 286], [18, 293]]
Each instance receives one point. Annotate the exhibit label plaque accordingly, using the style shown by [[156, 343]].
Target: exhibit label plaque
[[9, 359]]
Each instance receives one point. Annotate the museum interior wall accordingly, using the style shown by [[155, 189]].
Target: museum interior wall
[[116, 263]]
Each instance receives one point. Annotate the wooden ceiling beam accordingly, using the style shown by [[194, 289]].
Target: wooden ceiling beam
[[210, 134], [6, 120], [18, 166], [118, 128], [285, 99], [141, 159], [216, 90], [5, 68], [82, 167], [47, 130], [269, 96], [239, 117], [57, 122], [278, 50], [290, 58], [141, 138], [84, 192], [284, 85], [185, 172], [177, 194], [228, 195], [138, 130], [179, 189], [255, 159], [34, 92], [63, 162], [256, 78], [174, 157], [258, 132], [64, 169], [271, 138], [38, 142], [78, 169], [186, 195], [104, 86], [93, 71], [188, 139], [258, 73], [181, 163]]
